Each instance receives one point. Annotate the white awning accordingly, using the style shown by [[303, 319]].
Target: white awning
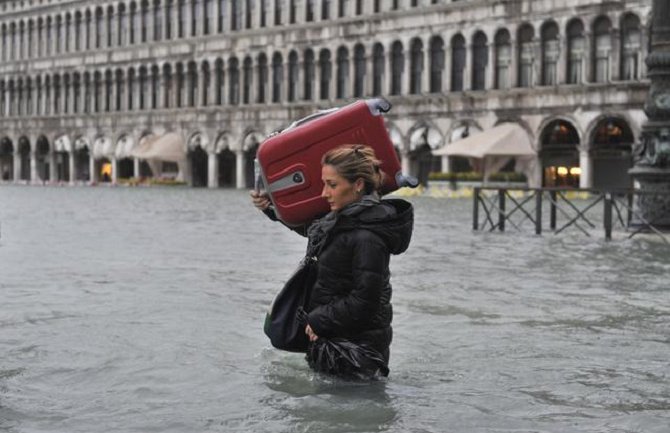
[[169, 147], [506, 139]]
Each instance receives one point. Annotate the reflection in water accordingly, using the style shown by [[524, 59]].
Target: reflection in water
[[326, 404]]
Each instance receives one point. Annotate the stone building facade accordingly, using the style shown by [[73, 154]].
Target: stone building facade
[[84, 82]]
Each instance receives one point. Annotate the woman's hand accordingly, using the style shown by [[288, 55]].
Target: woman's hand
[[310, 333], [260, 200]]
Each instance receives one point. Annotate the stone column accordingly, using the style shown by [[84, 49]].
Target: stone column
[[490, 66], [446, 74], [239, 169], [586, 165], [467, 72], [562, 63], [587, 64], [34, 176], [115, 170], [406, 79], [17, 164], [73, 166], [91, 168], [53, 172], [136, 167], [615, 57], [212, 170], [445, 164], [405, 162]]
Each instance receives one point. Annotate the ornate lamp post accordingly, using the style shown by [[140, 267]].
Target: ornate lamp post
[[652, 155]]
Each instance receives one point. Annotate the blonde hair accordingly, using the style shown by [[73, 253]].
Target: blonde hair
[[356, 161]]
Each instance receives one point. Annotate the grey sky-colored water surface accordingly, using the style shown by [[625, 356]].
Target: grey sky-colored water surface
[[140, 310]]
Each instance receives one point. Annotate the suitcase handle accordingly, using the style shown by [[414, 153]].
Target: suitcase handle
[[311, 117], [377, 106]]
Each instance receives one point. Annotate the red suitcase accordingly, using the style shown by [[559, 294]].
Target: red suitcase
[[289, 163]]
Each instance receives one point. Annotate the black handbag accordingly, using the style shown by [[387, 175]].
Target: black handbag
[[285, 322]]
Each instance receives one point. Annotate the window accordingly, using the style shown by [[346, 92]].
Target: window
[[397, 66], [342, 73], [576, 51], [196, 16], [247, 80], [602, 50], [223, 4], [144, 21], [503, 60], [325, 9], [526, 56], [235, 17], [218, 82], [457, 63], [309, 10], [181, 18], [179, 93], [192, 89], [158, 21], [630, 48], [277, 77], [326, 74], [168, 19], [416, 66], [359, 70], [132, 17], [293, 76], [550, 49], [279, 5], [308, 64], [262, 78], [480, 60], [378, 62], [436, 64], [251, 6], [234, 81]]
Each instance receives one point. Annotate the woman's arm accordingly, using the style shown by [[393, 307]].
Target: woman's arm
[[262, 202]]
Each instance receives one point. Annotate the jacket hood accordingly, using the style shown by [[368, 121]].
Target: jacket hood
[[390, 219]]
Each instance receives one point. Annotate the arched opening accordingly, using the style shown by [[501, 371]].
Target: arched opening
[[611, 151], [24, 155], [6, 159], [41, 158], [82, 158], [359, 70], [199, 166], [103, 168], [559, 154], [422, 141], [234, 81], [227, 168], [62, 166], [308, 75]]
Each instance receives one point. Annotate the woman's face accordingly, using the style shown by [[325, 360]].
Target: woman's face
[[337, 190]]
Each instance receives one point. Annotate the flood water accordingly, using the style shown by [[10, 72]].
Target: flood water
[[141, 310]]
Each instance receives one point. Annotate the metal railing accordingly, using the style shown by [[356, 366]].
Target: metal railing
[[568, 207]]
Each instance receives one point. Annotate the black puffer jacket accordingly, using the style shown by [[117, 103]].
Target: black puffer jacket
[[351, 297]]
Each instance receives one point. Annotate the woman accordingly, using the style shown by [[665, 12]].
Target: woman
[[350, 301]]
